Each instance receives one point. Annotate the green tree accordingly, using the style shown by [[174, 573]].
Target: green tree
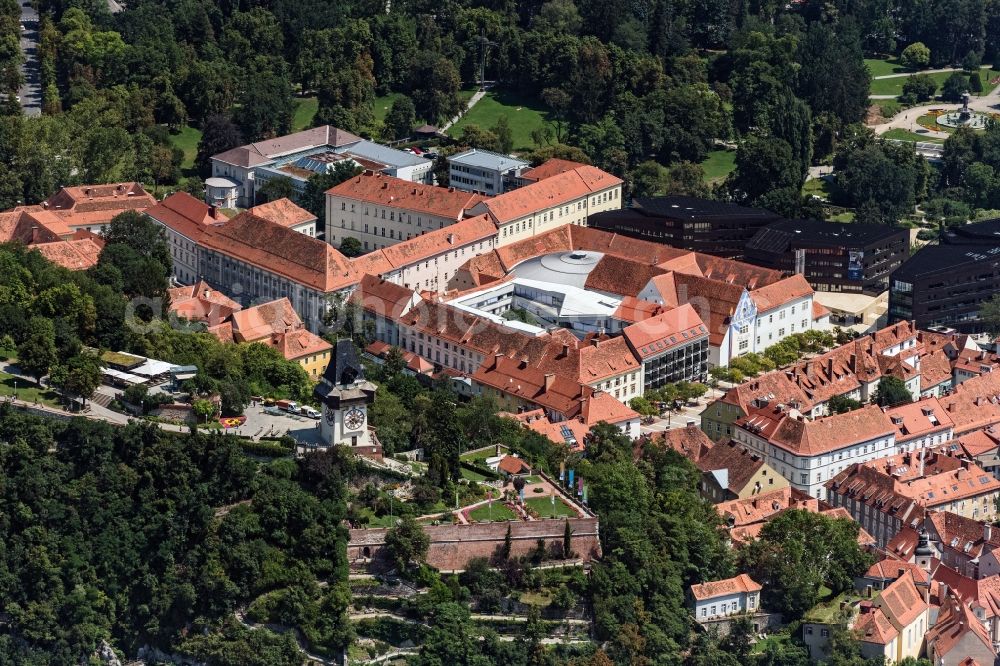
[[79, 376], [279, 187], [954, 87], [764, 165], [504, 135], [351, 247], [797, 553], [915, 56], [218, 134], [265, 107], [37, 352], [204, 409], [989, 314], [401, 119], [891, 391], [407, 543], [919, 88], [975, 83], [313, 197], [434, 87], [840, 404]]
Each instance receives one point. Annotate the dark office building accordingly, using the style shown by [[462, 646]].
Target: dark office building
[[944, 285], [835, 257], [712, 227], [982, 233]]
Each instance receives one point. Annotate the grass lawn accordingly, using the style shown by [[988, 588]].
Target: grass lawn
[[828, 611], [305, 109], [28, 391], [894, 86], [383, 104], [774, 639], [718, 165], [481, 455], [523, 114], [187, 140], [885, 66], [470, 475], [842, 217], [543, 506], [901, 134], [820, 187], [482, 514]]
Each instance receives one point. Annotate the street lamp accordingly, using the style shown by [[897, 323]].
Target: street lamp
[[15, 389]]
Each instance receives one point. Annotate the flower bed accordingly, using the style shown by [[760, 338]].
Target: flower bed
[[232, 421]]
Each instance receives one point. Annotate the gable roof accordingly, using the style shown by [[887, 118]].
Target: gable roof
[[656, 335], [901, 602], [261, 152], [689, 441], [556, 190], [264, 320], [283, 211], [720, 588], [549, 168], [739, 463], [76, 255], [832, 432], [382, 190], [777, 294], [875, 627], [271, 247]]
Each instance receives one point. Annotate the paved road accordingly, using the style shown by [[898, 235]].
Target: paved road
[[926, 71], [908, 119], [31, 91], [472, 102]]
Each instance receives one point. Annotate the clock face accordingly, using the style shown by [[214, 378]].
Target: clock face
[[354, 419], [331, 416]]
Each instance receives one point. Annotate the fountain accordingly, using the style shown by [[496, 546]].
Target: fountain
[[964, 117]]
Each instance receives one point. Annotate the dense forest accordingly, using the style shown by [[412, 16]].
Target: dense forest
[[643, 89], [137, 537]]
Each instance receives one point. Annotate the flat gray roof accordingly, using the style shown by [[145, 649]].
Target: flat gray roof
[[485, 159]]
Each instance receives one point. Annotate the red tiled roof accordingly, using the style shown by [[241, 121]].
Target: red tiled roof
[[740, 462], [658, 334], [600, 406], [513, 465], [199, 302], [555, 190], [76, 255], [101, 202], [383, 298], [300, 258], [549, 168], [935, 369], [831, 432], [718, 588], [955, 621], [777, 294], [382, 190], [632, 309], [690, 441], [918, 419], [437, 242], [298, 343], [975, 403], [265, 320], [284, 212], [875, 627], [901, 602]]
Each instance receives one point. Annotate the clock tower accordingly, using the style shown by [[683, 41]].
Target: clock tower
[[345, 395]]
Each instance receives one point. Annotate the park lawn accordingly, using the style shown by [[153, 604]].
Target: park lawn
[[544, 508], [471, 475], [718, 165], [842, 217], [901, 134], [305, 110], [524, 115], [482, 514], [383, 104], [821, 187], [187, 140], [481, 455], [28, 391], [773, 639], [885, 66], [894, 86], [988, 75]]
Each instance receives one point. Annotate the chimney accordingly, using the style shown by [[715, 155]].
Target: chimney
[[565, 351], [550, 377], [385, 185], [690, 425], [829, 367], [987, 531], [852, 363], [213, 212], [496, 361], [594, 342], [451, 239]]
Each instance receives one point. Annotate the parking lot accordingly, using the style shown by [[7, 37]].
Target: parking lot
[[260, 423]]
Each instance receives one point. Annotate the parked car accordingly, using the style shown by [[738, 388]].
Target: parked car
[[307, 411], [289, 406]]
